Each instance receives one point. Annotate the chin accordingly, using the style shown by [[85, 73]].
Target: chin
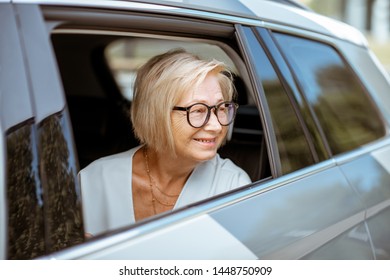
[[206, 156]]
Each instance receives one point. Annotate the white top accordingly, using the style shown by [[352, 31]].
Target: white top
[[107, 194]]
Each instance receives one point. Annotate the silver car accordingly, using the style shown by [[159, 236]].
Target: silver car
[[312, 129]]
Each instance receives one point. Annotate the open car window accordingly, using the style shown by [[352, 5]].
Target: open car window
[[98, 71]]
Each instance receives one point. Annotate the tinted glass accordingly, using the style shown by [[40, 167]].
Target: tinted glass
[[44, 213], [339, 100], [59, 179], [292, 144], [24, 195]]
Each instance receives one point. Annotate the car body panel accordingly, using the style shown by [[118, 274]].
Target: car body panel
[[379, 227], [13, 95], [45, 80], [369, 174], [192, 239], [299, 231]]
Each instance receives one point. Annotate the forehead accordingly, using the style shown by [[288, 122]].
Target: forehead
[[207, 91]]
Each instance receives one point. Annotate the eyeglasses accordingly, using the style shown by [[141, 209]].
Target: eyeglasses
[[198, 114]]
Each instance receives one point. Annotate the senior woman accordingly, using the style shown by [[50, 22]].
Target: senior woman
[[181, 111]]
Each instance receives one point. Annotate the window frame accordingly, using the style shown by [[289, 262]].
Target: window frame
[[57, 22]]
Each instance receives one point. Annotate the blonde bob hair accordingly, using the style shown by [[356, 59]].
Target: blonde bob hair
[[160, 84]]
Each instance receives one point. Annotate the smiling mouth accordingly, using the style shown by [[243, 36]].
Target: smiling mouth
[[205, 140]]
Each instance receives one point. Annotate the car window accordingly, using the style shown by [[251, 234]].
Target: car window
[[292, 143], [26, 233], [61, 192], [98, 71], [44, 213], [342, 107]]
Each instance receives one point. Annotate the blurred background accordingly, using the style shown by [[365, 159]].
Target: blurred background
[[372, 17]]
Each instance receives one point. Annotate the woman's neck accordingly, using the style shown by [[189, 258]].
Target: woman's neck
[[169, 172]]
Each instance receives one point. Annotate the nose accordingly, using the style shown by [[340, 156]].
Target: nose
[[213, 123]]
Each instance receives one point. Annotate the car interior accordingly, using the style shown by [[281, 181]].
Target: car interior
[[97, 72]]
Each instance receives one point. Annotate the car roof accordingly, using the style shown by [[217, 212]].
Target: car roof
[[258, 12], [288, 12], [228, 7]]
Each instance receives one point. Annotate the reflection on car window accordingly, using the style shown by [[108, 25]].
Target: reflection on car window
[[44, 213], [292, 144], [24, 195], [58, 169], [345, 112]]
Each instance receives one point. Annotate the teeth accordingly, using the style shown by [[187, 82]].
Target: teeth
[[204, 141]]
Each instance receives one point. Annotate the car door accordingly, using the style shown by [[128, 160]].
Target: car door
[[369, 174], [77, 35], [324, 223], [352, 124], [305, 208], [367, 169]]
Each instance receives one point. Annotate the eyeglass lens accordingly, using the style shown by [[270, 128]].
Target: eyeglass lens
[[199, 114]]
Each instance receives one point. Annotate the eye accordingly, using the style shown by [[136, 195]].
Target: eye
[[223, 108], [198, 109]]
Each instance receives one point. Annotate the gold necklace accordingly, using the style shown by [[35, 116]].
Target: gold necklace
[[153, 185]]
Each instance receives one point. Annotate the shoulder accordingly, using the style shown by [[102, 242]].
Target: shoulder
[[106, 192], [218, 175], [224, 164], [224, 169], [115, 161]]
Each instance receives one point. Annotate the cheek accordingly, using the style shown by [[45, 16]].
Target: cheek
[[180, 126], [224, 132]]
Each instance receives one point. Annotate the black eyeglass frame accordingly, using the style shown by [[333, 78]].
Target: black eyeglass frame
[[188, 109]]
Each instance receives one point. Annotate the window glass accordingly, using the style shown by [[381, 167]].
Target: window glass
[[24, 195], [58, 168], [44, 213], [292, 144], [341, 104]]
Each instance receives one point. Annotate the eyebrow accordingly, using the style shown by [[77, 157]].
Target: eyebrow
[[202, 101]]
